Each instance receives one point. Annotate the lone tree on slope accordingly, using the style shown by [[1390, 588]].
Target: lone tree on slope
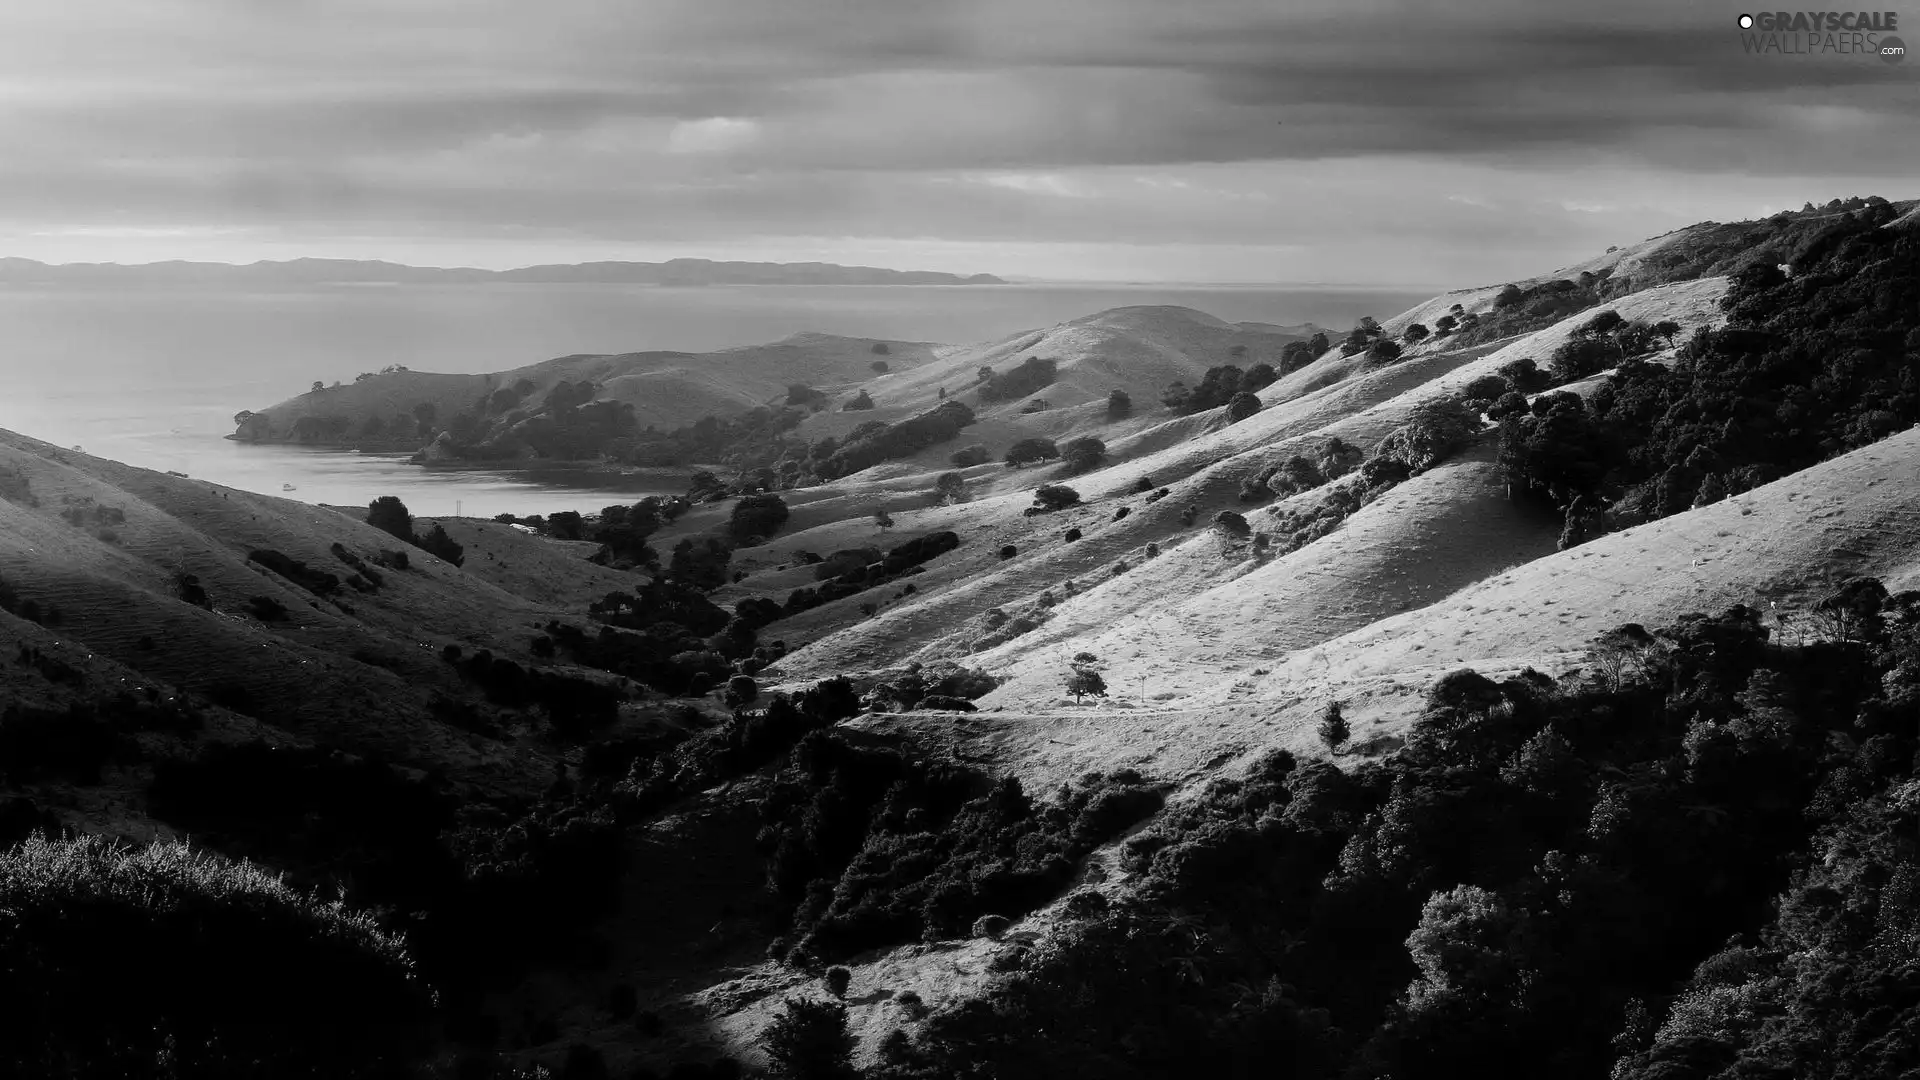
[[1334, 730], [1083, 680]]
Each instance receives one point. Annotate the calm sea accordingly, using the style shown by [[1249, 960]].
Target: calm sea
[[152, 377]]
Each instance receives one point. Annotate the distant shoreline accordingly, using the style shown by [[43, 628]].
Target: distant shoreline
[[674, 272]]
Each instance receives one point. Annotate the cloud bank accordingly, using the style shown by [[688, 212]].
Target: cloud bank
[[1380, 142]]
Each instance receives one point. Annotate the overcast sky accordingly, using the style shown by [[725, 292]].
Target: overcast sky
[[1217, 140]]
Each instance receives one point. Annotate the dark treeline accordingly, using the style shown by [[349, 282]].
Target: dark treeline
[[1808, 367]]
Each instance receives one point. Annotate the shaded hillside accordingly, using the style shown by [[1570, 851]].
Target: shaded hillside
[[102, 552]]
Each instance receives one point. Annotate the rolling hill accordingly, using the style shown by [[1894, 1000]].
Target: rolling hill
[[1382, 520]]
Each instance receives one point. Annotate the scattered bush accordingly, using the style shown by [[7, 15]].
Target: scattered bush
[[970, 456], [949, 487], [187, 587], [991, 926], [1242, 406], [756, 516], [1029, 451], [266, 609], [1384, 351], [1050, 497], [1083, 455]]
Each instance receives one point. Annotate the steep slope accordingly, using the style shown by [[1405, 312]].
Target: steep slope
[[1210, 698], [1202, 460]]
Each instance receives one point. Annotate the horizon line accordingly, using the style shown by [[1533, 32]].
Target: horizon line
[[1016, 279]]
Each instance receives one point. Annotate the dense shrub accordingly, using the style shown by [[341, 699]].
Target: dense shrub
[[217, 969], [701, 564], [1029, 375], [1218, 387], [865, 448], [873, 845], [438, 543], [808, 1040], [847, 573], [317, 582], [756, 516], [1434, 431], [970, 456], [1054, 497], [266, 608], [1384, 351], [1028, 451], [1083, 455], [949, 487], [389, 515]]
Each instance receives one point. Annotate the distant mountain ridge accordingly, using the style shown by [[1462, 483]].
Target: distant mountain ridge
[[323, 271]]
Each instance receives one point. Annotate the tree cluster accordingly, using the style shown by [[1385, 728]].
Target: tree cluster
[[1031, 374], [1220, 386], [1807, 368]]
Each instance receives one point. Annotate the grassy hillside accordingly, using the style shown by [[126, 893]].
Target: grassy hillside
[[1024, 751]]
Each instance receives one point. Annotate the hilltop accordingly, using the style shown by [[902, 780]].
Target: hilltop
[[1537, 617]]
